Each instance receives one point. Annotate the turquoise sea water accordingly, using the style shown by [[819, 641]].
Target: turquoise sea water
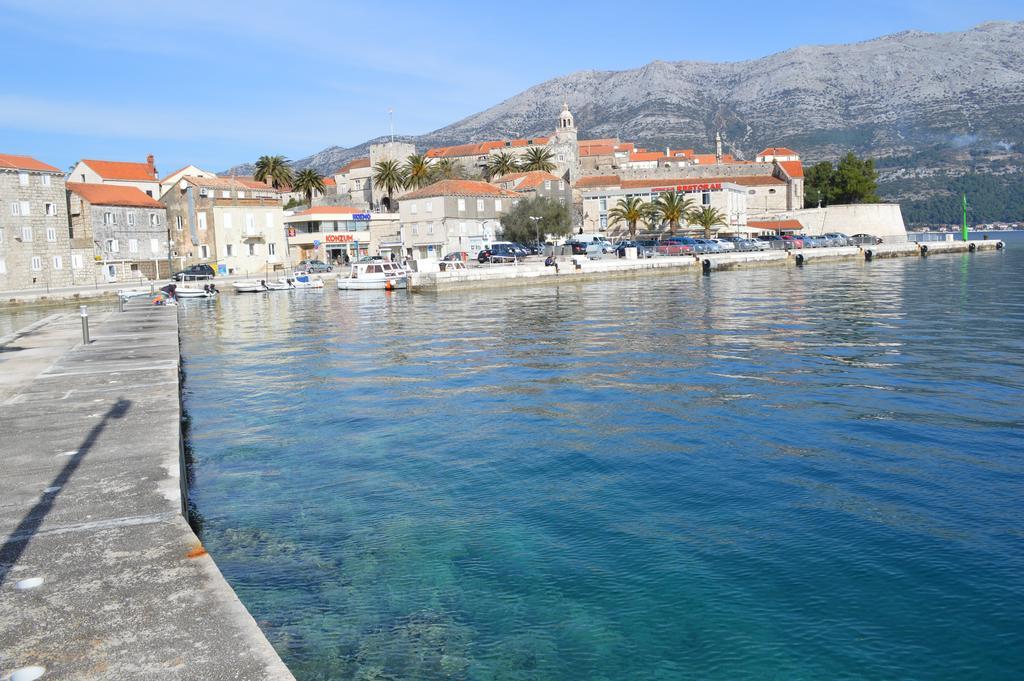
[[810, 473]]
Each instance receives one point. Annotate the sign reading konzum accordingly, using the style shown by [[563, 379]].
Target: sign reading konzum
[[687, 188], [338, 238]]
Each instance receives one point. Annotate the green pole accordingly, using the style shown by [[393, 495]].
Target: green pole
[[964, 229]]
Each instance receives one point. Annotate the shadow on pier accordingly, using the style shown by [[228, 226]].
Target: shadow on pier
[[16, 543]]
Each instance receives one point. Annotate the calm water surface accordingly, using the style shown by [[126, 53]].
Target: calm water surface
[[764, 474]]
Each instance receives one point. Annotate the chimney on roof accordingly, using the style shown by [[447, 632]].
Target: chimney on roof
[[149, 161]]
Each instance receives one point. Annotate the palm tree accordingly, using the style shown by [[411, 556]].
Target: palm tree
[[538, 158], [309, 182], [416, 171], [672, 207], [274, 170], [502, 164], [708, 218], [446, 169], [388, 176], [630, 210]]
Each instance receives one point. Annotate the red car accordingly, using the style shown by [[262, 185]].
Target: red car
[[794, 242]]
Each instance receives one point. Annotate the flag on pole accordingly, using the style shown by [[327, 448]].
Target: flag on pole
[[963, 230]]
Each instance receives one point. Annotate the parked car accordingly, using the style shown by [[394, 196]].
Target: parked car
[[774, 241], [642, 251], [456, 256], [725, 245], [313, 266], [710, 245], [792, 241], [839, 238], [865, 239], [531, 249], [500, 251], [201, 271], [756, 245]]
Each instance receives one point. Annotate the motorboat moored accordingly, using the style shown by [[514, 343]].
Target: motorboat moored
[[302, 280], [377, 274]]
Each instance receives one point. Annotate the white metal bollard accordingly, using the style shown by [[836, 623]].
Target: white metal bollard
[[84, 311]]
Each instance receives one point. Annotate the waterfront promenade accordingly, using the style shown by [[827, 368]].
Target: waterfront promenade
[[100, 575]]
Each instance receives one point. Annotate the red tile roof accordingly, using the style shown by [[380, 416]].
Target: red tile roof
[[604, 140], [14, 162], [236, 183], [326, 210], [170, 175], [329, 181], [528, 180], [794, 169], [458, 188], [593, 181], [778, 151], [483, 148], [596, 150], [122, 170], [777, 225], [352, 165], [113, 195], [646, 156]]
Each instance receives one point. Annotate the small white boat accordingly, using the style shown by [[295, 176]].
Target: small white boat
[[259, 286], [302, 280], [378, 274], [136, 292], [186, 292]]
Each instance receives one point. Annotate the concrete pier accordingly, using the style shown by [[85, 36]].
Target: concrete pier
[[581, 269], [100, 575]]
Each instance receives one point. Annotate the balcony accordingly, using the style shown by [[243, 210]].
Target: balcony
[[253, 234]]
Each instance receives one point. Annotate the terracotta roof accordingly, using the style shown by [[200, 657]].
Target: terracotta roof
[[603, 140], [777, 225], [236, 183], [329, 181], [598, 181], [482, 148], [778, 151], [458, 188], [527, 180], [113, 195], [646, 156], [170, 175], [122, 170], [793, 168], [596, 150], [753, 181], [12, 161], [352, 165], [327, 210]]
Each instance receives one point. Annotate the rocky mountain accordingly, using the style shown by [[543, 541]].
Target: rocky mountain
[[928, 106]]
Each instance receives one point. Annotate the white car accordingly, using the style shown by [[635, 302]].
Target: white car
[[726, 245]]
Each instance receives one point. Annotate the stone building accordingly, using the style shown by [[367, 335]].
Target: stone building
[[172, 179], [452, 216], [537, 183], [398, 152], [142, 176], [355, 184], [123, 231], [35, 244], [234, 225]]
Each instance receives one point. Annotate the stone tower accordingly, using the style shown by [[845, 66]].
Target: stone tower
[[718, 147], [564, 144]]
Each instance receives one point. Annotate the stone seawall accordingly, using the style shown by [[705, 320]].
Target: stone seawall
[[101, 576], [583, 269]]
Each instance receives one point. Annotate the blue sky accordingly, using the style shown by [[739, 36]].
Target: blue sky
[[220, 82]]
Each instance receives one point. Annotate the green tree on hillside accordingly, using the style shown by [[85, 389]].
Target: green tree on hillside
[[274, 170], [309, 182], [555, 220], [853, 180]]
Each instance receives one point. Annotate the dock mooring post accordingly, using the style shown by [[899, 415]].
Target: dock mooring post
[[84, 312]]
